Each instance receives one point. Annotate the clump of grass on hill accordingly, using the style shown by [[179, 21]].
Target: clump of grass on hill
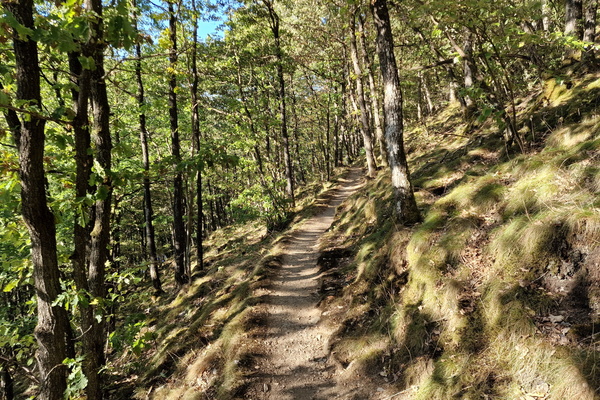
[[464, 318]]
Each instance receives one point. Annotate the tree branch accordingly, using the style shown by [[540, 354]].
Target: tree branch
[[34, 114]]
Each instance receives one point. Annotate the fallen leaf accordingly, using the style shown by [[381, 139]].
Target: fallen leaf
[[556, 318]]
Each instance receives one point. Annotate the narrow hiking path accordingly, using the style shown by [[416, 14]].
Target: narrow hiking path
[[295, 362]]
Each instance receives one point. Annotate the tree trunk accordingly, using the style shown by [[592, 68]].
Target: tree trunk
[[427, 94], [287, 159], [546, 21], [178, 227], [405, 205], [573, 18], [50, 331], [360, 100], [196, 140], [148, 211], [100, 235], [573, 27], [84, 222], [368, 63], [470, 71], [7, 387], [454, 94], [301, 174], [589, 25]]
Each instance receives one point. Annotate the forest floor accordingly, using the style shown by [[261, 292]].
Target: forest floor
[[293, 361], [495, 295]]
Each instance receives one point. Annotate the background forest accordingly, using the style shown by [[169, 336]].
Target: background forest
[[128, 141]]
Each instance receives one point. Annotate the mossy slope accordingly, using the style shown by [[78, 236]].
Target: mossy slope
[[497, 293]]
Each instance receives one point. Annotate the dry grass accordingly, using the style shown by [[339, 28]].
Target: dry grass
[[468, 305], [458, 307]]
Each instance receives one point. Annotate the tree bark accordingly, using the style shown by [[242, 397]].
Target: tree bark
[[546, 21], [148, 211], [405, 204], [100, 235], [83, 224], [573, 27], [7, 387], [427, 94], [50, 330], [360, 99], [196, 140], [178, 227], [287, 159], [301, 174], [589, 31], [573, 18], [470, 72], [368, 63]]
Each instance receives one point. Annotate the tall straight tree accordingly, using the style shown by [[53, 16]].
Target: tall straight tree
[[365, 125], [589, 25], [373, 91], [179, 244], [405, 204], [50, 331], [287, 158], [80, 92], [29, 136], [148, 211], [100, 235], [196, 137]]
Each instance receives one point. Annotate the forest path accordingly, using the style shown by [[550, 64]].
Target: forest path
[[295, 363]]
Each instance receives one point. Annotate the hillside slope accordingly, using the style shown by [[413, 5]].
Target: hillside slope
[[497, 293]]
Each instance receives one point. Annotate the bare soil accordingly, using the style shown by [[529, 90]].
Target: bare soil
[[294, 361]]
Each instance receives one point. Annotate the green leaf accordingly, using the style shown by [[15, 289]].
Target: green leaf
[[102, 193], [87, 62], [11, 285], [4, 99]]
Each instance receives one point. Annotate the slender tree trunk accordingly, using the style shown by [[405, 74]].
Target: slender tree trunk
[[150, 237], [328, 138], [7, 387], [196, 140], [336, 139], [361, 103], [50, 330], [406, 206], [454, 95], [427, 94], [589, 25], [287, 159], [470, 71], [301, 173], [115, 245], [546, 21], [573, 27], [419, 100], [368, 63], [83, 224], [100, 235], [178, 227], [341, 124]]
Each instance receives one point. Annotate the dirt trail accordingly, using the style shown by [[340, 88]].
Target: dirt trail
[[295, 363]]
